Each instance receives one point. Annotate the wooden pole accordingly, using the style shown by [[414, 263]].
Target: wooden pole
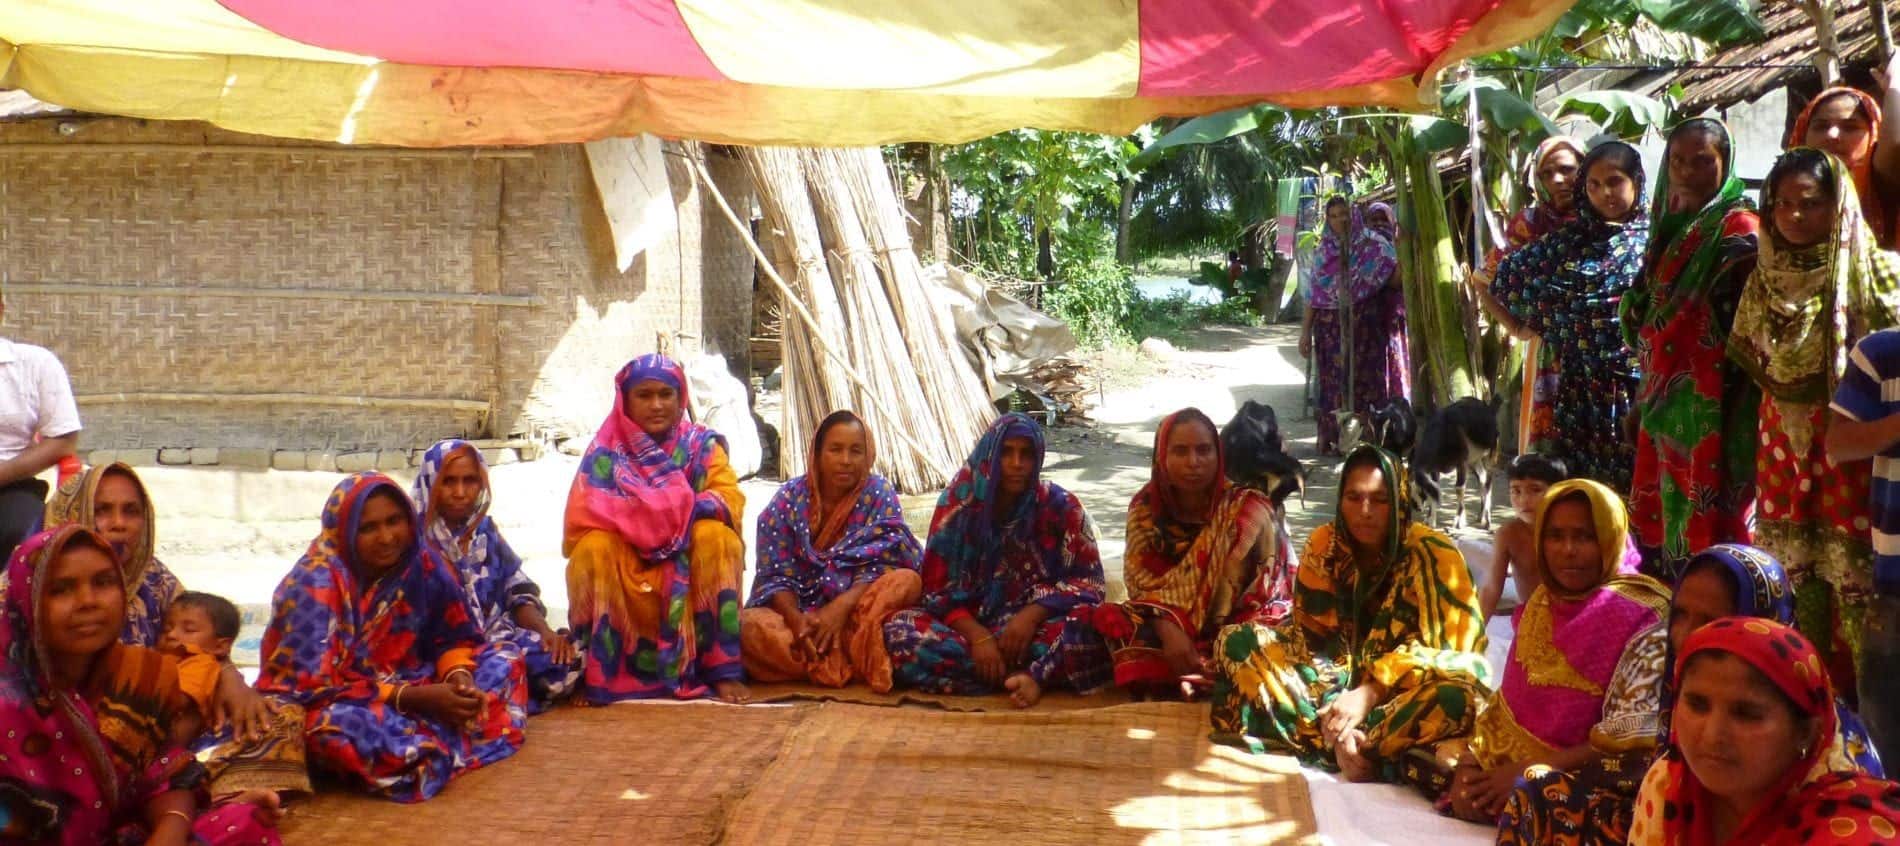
[[1474, 118], [1827, 47], [792, 301], [1883, 27]]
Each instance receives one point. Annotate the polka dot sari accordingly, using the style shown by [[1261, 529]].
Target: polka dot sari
[[1821, 799]]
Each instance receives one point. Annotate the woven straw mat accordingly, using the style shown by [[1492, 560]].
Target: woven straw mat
[[858, 694], [1139, 773], [840, 773], [642, 773]]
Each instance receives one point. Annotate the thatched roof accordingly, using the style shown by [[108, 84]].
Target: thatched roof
[[1790, 42]]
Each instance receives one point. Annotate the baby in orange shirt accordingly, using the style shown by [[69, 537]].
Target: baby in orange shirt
[[200, 629]]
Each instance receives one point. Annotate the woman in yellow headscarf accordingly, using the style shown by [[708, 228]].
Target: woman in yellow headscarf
[[1557, 705]]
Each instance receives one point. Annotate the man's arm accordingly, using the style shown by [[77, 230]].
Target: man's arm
[[37, 457], [1851, 440]]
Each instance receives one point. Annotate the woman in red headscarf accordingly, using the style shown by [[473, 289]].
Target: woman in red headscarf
[[1202, 554], [1754, 757], [1847, 123]]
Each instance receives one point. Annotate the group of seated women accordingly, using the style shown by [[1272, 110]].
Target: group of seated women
[[407, 647], [1006, 597]]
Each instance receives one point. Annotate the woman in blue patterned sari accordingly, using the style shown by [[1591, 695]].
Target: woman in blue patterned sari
[[835, 561], [1011, 576], [453, 494], [370, 632]]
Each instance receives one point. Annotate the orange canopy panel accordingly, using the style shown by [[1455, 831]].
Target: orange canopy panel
[[434, 73]]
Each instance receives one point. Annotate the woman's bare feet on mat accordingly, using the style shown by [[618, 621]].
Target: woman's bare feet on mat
[[269, 804], [1023, 690], [732, 692], [1353, 765]]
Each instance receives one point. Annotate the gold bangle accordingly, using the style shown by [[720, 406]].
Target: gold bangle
[[986, 639], [396, 702], [179, 814]]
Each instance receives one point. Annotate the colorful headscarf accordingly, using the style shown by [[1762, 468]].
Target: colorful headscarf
[[1689, 243], [1544, 149], [1539, 218], [1160, 488], [1569, 642], [869, 535], [1804, 308], [1194, 568], [1821, 798], [80, 762], [150, 586], [963, 560], [827, 523], [1862, 165], [1613, 536], [1362, 269], [1398, 485], [1390, 229], [489, 568], [333, 638], [638, 488], [1585, 259], [1762, 590]]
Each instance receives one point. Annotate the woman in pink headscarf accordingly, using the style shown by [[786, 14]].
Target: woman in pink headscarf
[[654, 557]]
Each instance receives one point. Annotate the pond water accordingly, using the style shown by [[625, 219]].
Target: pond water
[[1163, 287]]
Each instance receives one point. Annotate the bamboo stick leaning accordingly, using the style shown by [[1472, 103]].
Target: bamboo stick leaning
[[806, 320]]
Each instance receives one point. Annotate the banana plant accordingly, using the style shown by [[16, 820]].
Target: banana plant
[[1719, 22]]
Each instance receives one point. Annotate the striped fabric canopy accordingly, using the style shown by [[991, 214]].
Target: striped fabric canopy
[[431, 73]]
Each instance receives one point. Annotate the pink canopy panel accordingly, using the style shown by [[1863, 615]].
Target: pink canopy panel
[[834, 72]]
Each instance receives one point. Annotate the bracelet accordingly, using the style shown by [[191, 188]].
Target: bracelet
[[179, 814], [986, 639], [396, 703]]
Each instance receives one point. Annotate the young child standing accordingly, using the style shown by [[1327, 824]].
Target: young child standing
[[200, 629], [1513, 547]]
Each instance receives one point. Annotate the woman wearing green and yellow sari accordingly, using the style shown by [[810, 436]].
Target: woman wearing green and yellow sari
[[1385, 651]]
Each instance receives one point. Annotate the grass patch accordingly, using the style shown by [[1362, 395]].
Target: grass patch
[[1174, 317]]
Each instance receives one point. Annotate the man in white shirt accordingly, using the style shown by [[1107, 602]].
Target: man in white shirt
[[39, 425]]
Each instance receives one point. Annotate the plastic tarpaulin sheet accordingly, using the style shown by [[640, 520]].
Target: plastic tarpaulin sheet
[[434, 73]]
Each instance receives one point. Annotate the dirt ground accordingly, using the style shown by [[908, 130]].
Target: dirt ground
[[236, 533]]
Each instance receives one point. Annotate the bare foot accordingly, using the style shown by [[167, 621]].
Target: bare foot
[[267, 801], [1354, 766], [1023, 690], [732, 692]]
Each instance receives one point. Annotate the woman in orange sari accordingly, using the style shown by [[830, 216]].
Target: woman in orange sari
[[1202, 555], [1846, 122], [835, 561]]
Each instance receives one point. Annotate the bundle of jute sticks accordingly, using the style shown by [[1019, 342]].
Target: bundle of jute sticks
[[861, 328]]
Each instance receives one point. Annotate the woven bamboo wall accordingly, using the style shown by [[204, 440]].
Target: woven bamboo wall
[[474, 294]]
